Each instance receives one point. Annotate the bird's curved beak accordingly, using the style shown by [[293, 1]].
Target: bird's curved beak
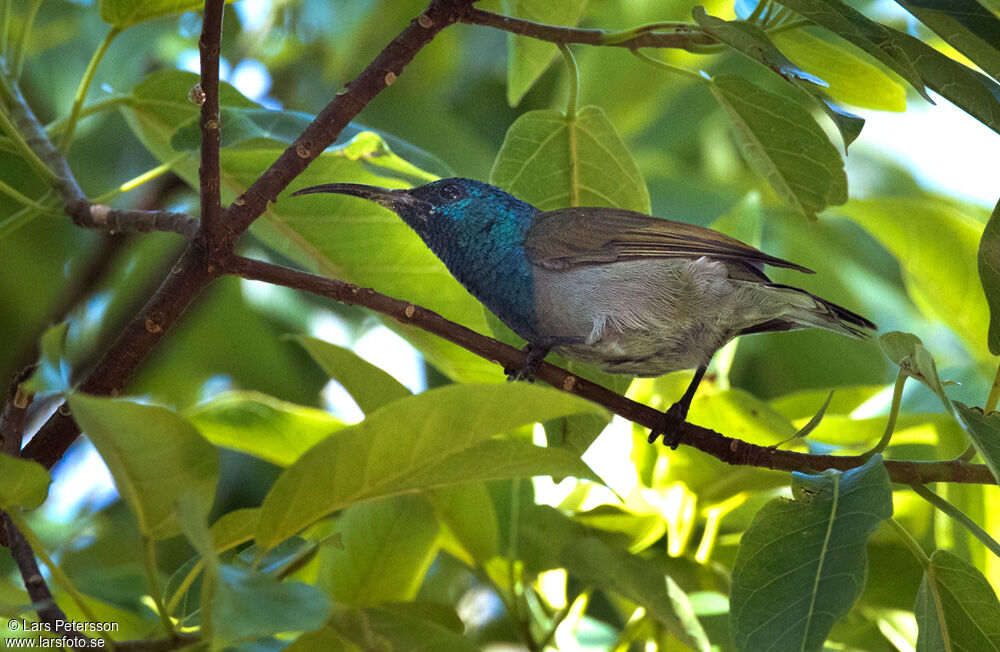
[[394, 200]]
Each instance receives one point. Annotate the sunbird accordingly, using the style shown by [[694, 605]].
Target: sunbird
[[628, 292]]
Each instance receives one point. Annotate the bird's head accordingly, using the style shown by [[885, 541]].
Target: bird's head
[[443, 203]]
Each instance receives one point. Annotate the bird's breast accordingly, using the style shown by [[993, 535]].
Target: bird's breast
[[643, 317]]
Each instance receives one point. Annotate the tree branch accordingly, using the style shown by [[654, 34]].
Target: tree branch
[[136, 221], [324, 129], [727, 449], [11, 432], [195, 270], [210, 44], [682, 37], [83, 213]]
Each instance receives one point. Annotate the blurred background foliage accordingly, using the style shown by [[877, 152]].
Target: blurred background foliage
[[900, 251]]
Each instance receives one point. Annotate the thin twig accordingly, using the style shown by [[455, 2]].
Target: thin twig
[[680, 38], [727, 449], [137, 221], [210, 44]]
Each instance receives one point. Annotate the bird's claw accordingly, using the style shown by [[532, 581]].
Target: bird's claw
[[515, 374], [533, 356], [670, 426]]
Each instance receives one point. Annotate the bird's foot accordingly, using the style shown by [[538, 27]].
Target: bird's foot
[[534, 354], [670, 426]]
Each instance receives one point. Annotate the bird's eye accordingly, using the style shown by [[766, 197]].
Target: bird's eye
[[451, 192]]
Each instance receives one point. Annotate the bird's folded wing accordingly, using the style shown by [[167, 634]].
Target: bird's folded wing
[[572, 237]]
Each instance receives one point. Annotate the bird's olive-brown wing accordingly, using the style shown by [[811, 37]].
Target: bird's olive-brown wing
[[572, 237]]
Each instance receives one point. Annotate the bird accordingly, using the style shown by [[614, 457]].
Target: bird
[[631, 293]]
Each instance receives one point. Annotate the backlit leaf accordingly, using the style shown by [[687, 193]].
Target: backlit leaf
[[527, 58], [438, 438], [988, 259], [783, 143], [956, 607], [154, 455]]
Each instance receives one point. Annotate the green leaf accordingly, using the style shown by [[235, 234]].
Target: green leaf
[[404, 627], [243, 124], [154, 456], [249, 604], [527, 58], [642, 529], [802, 404], [368, 385], [23, 484], [852, 79], [324, 639], [817, 418], [336, 236], [782, 142], [984, 431], [935, 244], [907, 351], [989, 275], [552, 161], [53, 372], [437, 438], [472, 530], [261, 425], [640, 580], [192, 515], [851, 25], [753, 42], [966, 25], [234, 528], [125, 13], [968, 89], [802, 562], [388, 545], [956, 608]]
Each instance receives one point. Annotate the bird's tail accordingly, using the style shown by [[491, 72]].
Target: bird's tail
[[807, 310]]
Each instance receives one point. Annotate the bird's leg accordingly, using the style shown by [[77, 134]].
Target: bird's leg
[[534, 353], [677, 413]]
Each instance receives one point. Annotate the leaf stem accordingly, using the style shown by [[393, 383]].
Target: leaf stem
[[669, 67], [763, 6], [910, 542], [994, 397], [21, 145], [19, 55], [24, 200], [790, 25], [81, 91], [153, 575], [958, 515], [5, 22], [59, 126], [574, 80], [890, 426], [561, 615], [25, 215], [613, 38]]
